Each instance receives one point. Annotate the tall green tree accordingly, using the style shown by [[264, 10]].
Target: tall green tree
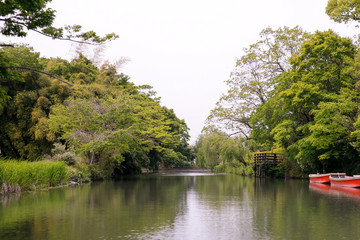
[[23, 116], [255, 77], [320, 105]]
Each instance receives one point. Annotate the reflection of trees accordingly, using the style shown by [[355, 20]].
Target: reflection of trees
[[153, 205], [225, 187], [218, 207], [97, 210]]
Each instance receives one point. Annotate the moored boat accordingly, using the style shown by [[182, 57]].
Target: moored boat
[[319, 178], [346, 181], [324, 178]]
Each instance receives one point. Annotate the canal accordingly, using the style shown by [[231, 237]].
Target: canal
[[184, 206]]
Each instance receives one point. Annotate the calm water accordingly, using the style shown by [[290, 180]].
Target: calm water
[[184, 206]]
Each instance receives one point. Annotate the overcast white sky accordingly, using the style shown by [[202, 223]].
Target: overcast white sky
[[185, 49]]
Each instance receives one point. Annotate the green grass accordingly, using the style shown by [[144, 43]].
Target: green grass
[[18, 176]]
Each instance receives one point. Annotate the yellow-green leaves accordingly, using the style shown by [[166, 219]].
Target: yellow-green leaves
[[343, 10]]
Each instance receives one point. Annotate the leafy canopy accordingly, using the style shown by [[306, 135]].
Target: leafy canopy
[[254, 78], [343, 10]]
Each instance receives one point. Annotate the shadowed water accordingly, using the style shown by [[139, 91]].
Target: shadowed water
[[184, 206]]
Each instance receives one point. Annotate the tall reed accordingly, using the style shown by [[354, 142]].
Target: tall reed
[[18, 176]]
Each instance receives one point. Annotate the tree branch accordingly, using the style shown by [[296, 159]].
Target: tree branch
[[6, 45], [69, 38], [39, 71]]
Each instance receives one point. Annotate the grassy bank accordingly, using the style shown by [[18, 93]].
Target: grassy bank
[[17, 176]]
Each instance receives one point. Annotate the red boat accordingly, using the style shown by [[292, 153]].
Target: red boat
[[346, 181], [324, 178]]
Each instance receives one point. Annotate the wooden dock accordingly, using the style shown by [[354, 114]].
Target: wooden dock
[[268, 159]]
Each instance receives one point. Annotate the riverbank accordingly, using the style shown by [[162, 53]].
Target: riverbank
[[20, 176]]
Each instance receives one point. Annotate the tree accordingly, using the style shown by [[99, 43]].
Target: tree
[[207, 149], [23, 117], [321, 103], [21, 16], [255, 77], [94, 127], [128, 128], [343, 10], [216, 150]]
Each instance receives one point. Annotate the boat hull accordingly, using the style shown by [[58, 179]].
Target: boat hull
[[353, 182], [324, 178], [319, 178]]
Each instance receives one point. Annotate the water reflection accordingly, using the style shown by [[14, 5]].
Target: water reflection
[[320, 188], [184, 206], [218, 207], [336, 191]]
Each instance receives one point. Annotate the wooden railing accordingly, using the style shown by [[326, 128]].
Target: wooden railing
[[266, 158]]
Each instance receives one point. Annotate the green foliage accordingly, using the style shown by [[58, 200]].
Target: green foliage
[[103, 120], [23, 130], [314, 106], [343, 10], [80, 173], [207, 149], [61, 154], [222, 153], [254, 78], [130, 124], [309, 107], [18, 17], [235, 168], [273, 170], [322, 61], [321, 103]]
